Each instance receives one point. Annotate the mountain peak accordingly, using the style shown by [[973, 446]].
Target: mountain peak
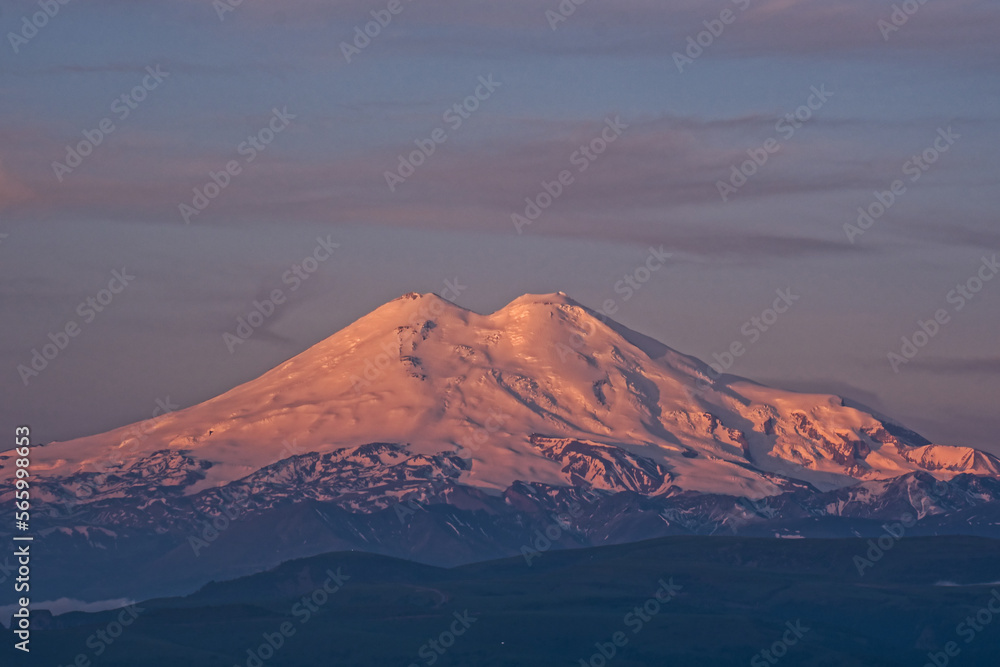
[[411, 308], [550, 299], [427, 374], [504, 419], [416, 296], [430, 305]]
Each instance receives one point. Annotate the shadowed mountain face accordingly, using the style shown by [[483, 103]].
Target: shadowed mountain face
[[690, 601], [433, 433]]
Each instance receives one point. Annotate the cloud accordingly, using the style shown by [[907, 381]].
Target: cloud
[[657, 180], [953, 366], [950, 233], [170, 65], [12, 190], [634, 28], [646, 28]]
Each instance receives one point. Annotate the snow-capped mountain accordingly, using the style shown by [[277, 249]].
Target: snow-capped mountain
[[487, 426]]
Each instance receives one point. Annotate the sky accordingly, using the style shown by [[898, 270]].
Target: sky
[[177, 161]]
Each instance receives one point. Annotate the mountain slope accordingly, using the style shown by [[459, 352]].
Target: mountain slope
[[427, 431], [424, 372]]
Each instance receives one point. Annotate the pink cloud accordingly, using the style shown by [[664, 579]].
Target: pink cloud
[[12, 190], [645, 27]]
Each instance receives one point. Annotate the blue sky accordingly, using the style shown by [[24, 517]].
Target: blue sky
[[656, 184]]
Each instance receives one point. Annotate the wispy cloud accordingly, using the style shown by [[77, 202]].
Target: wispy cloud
[[12, 190], [956, 366], [660, 176]]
